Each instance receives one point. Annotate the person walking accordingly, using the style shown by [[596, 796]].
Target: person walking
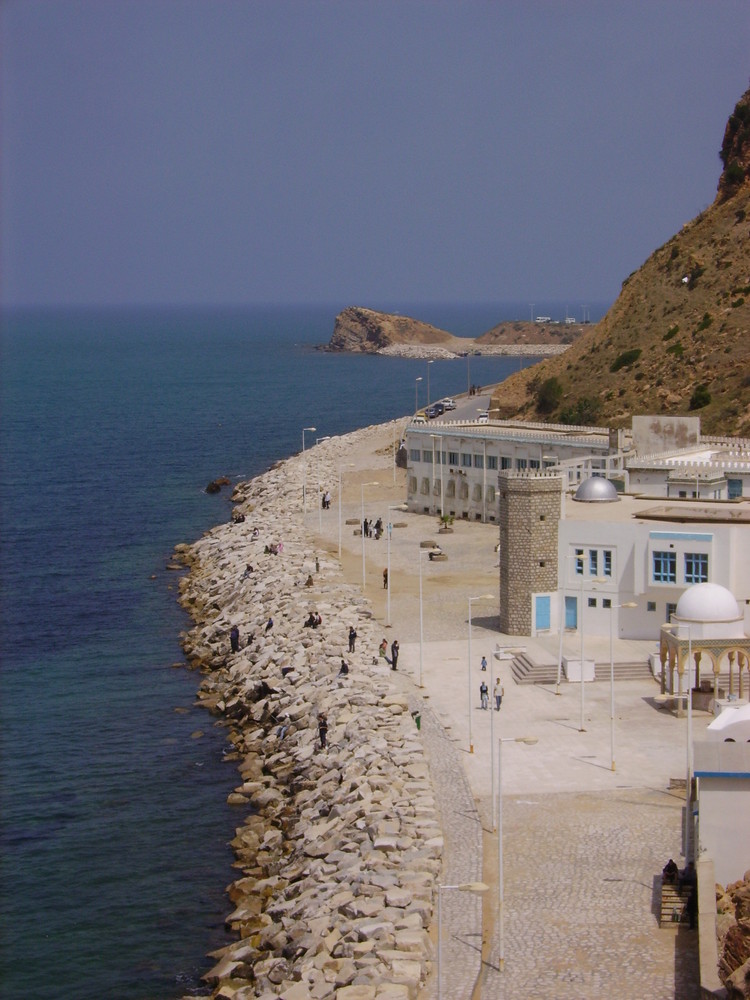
[[484, 663], [322, 730], [484, 694], [385, 579], [394, 654], [352, 638], [498, 691]]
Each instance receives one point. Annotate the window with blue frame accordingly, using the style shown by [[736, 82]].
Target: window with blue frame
[[734, 488], [593, 562], [696, 567], [607, 561], [665, 567], [579, 562]]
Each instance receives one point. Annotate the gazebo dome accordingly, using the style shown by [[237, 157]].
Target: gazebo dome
[[707, 602], [596, 490]]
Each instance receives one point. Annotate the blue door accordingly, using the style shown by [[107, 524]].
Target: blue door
[[571, 612], [542, 612]]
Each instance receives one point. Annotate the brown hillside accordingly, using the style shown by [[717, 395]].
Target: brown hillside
[[524, 332], [677, 339]]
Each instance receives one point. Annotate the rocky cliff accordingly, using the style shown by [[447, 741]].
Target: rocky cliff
[[366, 331], [677, 339]]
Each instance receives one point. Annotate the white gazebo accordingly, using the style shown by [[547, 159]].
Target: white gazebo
[[707, 621]]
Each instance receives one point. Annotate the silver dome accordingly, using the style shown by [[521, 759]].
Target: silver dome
[[596, 490]]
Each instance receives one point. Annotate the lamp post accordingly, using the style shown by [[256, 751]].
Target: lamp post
[[482, 597], [388, 531], [475, 887], [417, 380], [304, 471], [529, 741], [348, 465], [689, 763], [612, 608], [421, 619], [440, 460], [428, 380], [320, 490], [362, 522]]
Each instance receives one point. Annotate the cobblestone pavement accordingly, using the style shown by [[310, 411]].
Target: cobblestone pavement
[[581, 900], [462, 833], [583, 845]]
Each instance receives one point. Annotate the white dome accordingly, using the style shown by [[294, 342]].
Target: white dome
[[596, 490], [707, 602]]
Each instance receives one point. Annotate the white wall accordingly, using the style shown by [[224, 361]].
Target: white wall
[[724, 817]]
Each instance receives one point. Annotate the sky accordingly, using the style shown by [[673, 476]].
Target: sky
[[229, 152]]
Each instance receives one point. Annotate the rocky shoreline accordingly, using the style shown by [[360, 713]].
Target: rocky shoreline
[[339, 848], [488, 350]]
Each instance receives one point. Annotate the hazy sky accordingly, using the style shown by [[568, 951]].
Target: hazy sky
[[214, 151]]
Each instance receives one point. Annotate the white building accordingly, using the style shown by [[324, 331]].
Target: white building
[[674, 518]]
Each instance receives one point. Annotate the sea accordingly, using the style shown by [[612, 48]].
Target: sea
[[114, 826]]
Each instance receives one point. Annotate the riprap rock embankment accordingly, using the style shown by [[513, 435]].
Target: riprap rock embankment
[[339, 848]]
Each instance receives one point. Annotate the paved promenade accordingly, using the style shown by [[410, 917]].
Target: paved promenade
[[583, 845]]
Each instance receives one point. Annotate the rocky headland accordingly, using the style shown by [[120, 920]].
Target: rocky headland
[[338, 846], [367, 331]]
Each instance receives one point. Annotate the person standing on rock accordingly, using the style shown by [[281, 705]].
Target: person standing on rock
[[394, 655], [322, 730], [234, 639], [352, 638], [498, 691], [484, 694]]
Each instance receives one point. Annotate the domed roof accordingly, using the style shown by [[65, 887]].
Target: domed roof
[[707, 602], [596, 490]]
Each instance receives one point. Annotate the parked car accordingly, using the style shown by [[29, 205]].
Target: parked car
[[484, 416], [419, 418], [449, 404], [436, 410]]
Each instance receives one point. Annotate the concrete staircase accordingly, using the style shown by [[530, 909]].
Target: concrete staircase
[[525, 671], [673, 910]]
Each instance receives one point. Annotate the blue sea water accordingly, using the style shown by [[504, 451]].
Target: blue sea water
[[114, 827]]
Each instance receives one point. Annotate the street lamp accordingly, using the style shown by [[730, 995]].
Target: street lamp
[[389, 530], [689, 766], [482, 597], [529, 741], [304, 470], [474, 887], [416, 393], [320, 502], [362, 522], [348, 465], [428, 380], [421, 617], [440, 460], [612, 608]]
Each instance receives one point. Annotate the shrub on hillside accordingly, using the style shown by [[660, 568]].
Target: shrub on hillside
[[625, 359], [701, 397], [548, 395]]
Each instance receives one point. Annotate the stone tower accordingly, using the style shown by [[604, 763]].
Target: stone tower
[[529, 506]]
